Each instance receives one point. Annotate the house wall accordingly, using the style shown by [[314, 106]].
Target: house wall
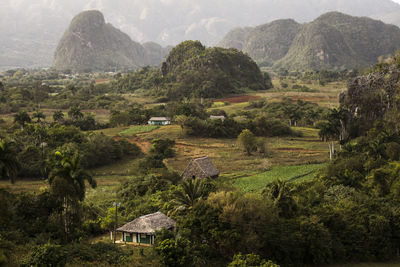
[[129, 237], [138, 238], [144, 239], [159, 122]]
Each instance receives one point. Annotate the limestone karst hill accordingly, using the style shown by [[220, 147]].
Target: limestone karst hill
[[91, 44], [333, 41]]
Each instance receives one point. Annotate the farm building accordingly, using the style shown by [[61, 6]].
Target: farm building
[[222, 118], [142, 230], [159, 121], [200, 168]]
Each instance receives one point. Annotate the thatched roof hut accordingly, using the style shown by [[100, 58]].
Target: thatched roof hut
[[148, 224], [200, 168], [222, 118]]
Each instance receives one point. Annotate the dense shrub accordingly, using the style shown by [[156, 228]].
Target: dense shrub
[[262, 126], [100, 149], [230, 128], [162, 148], [36, 145], [47, 255]]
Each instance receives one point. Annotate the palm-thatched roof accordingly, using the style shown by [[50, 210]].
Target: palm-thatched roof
[[159, 119], [200, 168], [222, 118], [148, 224]]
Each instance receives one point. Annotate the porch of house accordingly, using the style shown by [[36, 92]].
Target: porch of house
[[159, 122], [138, 239]]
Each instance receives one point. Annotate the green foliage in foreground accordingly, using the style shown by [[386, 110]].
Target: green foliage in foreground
[[80, 253], [250, 260], [138, 129], [284, 173]]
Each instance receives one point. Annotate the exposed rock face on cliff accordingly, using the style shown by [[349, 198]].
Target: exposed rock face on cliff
[[371, 98], [91, 44]]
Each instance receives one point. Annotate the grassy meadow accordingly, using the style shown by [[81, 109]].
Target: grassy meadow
[[138, 129], [298, 173]]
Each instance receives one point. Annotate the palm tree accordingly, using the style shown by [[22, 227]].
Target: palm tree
[[8, 161], [38, 115], [58, 116], [281, 193], [75, 113], [67, 182], [328, 133], [190, 192], [336, 118]]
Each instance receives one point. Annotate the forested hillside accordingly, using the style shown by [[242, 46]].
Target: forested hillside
[[192, 70]]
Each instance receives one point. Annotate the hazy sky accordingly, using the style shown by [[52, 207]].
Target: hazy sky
[[31, 29]]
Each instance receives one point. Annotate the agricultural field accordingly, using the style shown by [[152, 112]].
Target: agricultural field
[[325, 96], [295, 174], [138, 129], [288, 157]]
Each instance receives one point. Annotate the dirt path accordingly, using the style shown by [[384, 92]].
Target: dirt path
[[144, 145]]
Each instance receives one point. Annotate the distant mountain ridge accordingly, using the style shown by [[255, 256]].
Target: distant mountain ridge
[[91, 44], [332, 41], [30, 30]]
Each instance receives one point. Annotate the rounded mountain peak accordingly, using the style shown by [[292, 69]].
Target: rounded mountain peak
[[336, 17], [89, 18]]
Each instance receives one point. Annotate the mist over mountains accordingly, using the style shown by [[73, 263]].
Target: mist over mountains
[[31, 29]]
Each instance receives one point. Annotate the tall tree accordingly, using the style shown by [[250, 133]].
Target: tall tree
[[38, 116], [328, 133], [8, 161], [281, 193], [336, 119], [75, 113], [247, 140], [67, 183]]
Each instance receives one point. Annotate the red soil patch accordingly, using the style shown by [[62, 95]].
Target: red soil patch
[[102, 80], [238, 99]]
